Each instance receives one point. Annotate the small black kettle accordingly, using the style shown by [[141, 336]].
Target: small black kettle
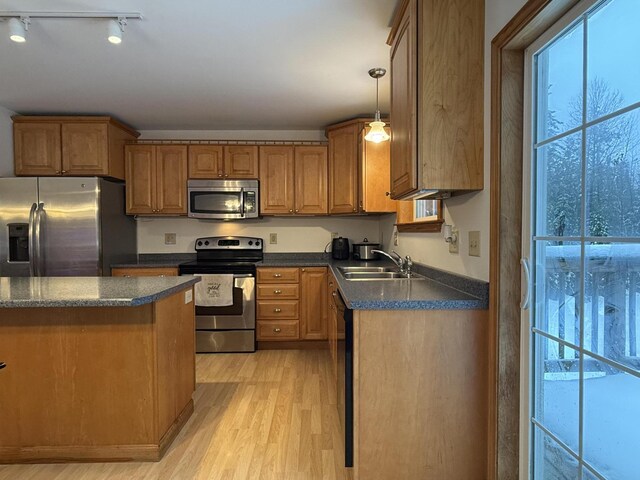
[[340, 248]]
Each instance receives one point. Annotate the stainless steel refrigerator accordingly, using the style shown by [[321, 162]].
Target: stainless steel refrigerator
[[72, 226]]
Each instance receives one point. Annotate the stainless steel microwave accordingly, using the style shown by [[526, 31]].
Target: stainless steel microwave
[[223, 199]]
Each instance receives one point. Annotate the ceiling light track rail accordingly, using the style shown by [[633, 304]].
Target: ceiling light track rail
[[116, 15]]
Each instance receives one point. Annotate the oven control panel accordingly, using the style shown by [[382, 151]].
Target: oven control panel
[[229, 243]]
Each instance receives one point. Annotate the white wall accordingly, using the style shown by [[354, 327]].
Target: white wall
[[299, 234], [6, 143], [467, 212]]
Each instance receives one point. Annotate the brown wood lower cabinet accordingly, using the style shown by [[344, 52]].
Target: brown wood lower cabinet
[[292, 303], [97, 383], [420, 394]]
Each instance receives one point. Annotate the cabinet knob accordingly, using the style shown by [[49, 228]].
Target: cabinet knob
[[277, 292], [290, 210], [387, 193], [226, 175], [277, 310], [219, 174], [304, 269], [161, 275], [128, 276], [277, 330], [58, 172], [63, 171], [355, 209], [277, 275], [2, 365], [297, 210]]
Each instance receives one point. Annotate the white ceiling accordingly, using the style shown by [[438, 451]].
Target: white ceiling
[[202, 64]]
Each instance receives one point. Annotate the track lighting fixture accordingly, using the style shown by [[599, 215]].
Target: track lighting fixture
[[19, 22], [18, 29], [377, 133]]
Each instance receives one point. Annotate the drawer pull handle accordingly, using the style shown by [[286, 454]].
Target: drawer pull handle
[[277, 330], [277, 275], [277, 310], [277, 292]]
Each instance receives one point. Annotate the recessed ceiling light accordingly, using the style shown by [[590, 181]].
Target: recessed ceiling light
[[18, 29]]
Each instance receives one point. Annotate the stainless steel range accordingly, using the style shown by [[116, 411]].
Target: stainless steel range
[[230, 327]]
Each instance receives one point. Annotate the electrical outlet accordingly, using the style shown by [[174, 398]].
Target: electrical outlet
[[334, 235], [474, 243], [273, 238], [169, 238], [453, 246]]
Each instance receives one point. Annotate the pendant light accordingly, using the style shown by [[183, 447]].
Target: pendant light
[[377, 133]]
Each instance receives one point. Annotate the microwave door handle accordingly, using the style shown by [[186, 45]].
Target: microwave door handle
[[242, 202]]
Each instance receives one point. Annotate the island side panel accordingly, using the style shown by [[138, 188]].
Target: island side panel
[[420, 393], [175, 331], [76, 379]]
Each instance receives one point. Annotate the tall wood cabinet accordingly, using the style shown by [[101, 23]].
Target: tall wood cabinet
[[437, 84], [358, 170], [156, 179], [293, 180], [74, 146], [218, 161]]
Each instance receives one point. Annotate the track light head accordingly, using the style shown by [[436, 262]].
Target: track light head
[[116, 29], [18, 29]]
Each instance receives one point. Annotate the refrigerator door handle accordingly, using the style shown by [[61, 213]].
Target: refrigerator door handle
[[38, 240], [32, 237]]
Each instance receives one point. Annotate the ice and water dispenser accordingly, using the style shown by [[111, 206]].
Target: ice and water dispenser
[[18, 242]]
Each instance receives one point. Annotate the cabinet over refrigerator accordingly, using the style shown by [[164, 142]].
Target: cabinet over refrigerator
[[73, 226]]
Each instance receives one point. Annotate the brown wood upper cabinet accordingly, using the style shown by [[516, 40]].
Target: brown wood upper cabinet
[[77, 146], [293, 180], [358, 170], [437, 83], [156, 179], [217, 161]]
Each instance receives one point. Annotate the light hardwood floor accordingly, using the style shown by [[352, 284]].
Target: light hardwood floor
[[268, 415]]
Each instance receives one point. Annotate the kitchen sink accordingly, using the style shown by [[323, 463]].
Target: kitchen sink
[[377, 275], [344, 270]]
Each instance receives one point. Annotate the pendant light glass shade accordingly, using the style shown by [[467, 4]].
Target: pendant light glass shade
[[115, 32], [17, 30], [377, 133]]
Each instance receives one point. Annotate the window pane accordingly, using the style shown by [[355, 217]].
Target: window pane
[[612, 301], [557, 389], [611, 421], [612, 58], [587, 475], [613, 177], [559, 187], [552, 462], [557, 290], [559, 85]]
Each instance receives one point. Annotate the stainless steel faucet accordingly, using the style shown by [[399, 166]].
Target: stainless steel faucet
[[404, 265]]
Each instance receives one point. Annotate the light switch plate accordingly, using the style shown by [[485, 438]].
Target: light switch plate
[[474, 243], [273, 238]]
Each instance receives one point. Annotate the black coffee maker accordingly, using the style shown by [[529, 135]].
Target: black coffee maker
[[340, 248]]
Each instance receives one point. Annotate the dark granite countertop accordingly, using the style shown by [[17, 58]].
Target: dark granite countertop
[[441, 290], [16, 292], [158, 260]]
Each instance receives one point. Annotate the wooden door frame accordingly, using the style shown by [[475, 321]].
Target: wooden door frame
[[507, 100]]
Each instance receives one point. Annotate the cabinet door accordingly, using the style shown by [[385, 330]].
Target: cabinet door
[[276, 180], [85, 149], [404, 156], [241, 161], [313, 304], [140, 163], [206, 161], [171, 179], [311, 180], [37, 148], [375, 172], [343, 169], [145, 272]]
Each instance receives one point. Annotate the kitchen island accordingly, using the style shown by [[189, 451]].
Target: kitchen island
[[97, 368]]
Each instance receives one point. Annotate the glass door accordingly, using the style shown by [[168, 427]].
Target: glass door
[[581, 247]]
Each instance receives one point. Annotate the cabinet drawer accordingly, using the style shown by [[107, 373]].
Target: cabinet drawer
[[145, 272], [277, 309], [278, 275], [278, 330], [284, 291]]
